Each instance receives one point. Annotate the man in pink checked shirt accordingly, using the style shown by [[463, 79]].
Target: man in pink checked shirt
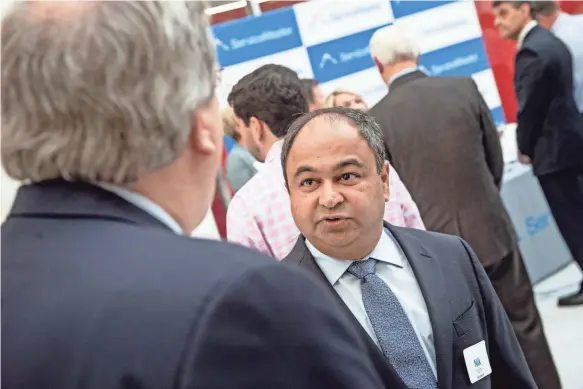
[[266, 101]]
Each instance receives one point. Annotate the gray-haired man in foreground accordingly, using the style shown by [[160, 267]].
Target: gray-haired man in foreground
[[108, 110]]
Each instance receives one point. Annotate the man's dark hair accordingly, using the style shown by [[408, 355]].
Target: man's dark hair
[[516, 4], [273, 94], [545, 8], [309, 85], [366, 125]]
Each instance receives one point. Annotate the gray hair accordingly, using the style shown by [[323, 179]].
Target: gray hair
[[366, 125], [101, 91], [392, 44]]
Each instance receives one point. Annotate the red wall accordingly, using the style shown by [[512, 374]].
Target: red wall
[[501, 53]]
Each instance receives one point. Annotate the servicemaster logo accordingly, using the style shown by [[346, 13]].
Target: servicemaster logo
[[254, 37], [355, 54], [265, 36], [454, 64], [327, 58], [220, 44]]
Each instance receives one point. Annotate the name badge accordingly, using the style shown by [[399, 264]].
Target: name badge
[[477, 361]]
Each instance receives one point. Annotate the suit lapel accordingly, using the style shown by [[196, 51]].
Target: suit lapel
[[432, 282]]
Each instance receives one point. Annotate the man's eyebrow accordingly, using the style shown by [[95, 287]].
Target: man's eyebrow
[[303, 169], [349, 162]]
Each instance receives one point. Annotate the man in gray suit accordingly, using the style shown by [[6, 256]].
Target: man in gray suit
[[441, 138]]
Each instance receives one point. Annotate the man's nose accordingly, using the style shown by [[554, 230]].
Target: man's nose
[[330, 197]]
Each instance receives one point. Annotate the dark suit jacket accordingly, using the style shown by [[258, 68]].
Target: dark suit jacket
[[97, 294], [446, 148], [550, 127], [463, 309]]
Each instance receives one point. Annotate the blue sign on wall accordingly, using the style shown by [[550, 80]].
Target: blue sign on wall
[[407, 7], [254, 37], [463, 59], [341, 57]]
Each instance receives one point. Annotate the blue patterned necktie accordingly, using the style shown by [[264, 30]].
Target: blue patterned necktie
[[395, 334]]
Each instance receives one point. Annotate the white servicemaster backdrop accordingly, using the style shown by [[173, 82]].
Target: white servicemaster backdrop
[[328, 40]]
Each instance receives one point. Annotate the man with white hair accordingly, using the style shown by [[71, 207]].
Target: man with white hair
[[441, 138], [109, 114]]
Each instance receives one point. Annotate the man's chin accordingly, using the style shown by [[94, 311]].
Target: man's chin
[[335, 238]]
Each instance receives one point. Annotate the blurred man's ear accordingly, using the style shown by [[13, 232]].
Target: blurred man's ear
[[379, 65], [256, 130], [206, 128], [385, 179]]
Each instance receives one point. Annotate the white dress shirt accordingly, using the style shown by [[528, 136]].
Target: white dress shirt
[[146, 205], [569, 29], [522, 36], [394, 269]]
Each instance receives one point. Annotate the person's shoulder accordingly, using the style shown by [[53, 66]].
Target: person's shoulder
[[265, 181], [379, 109], [186, 253], [459, 82], [425, 236], [441, 246], [540, 41]]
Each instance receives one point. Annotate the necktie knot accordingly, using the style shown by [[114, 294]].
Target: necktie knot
[[361, 269]]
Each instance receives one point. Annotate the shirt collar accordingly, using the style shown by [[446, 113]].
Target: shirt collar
[[522, 36], [274, 152], [146, 205], [333, 269], [403, 73]]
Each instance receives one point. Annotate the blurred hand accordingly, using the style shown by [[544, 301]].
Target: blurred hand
[[524, 159]]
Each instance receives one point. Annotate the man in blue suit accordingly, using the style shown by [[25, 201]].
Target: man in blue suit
[[108, 111], [550, 126]]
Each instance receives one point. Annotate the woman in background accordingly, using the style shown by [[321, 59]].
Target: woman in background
[[346, 99], [241, 165]]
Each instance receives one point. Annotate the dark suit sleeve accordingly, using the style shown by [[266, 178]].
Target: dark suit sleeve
[[491, 139], [276, 328], [532, 100], [509, 368]]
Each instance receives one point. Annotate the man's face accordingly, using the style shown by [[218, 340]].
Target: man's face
[[337, 196], [510, 20], [318, 99], [248, 140]]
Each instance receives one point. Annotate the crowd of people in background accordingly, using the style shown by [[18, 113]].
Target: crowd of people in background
[[371, 245]]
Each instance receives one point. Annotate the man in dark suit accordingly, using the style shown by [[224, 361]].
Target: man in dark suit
[[550, 126], [422, 297], [440, 132], [109, 109]]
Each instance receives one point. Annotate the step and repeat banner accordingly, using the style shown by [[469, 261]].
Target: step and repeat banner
[[328, 40]]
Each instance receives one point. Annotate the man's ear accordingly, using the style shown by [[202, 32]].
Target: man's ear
[[379, 65], [206, 128], [256, 130], [385, 179]]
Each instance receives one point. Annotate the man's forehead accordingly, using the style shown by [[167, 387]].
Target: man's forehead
[[328, 126], [324, 139]]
